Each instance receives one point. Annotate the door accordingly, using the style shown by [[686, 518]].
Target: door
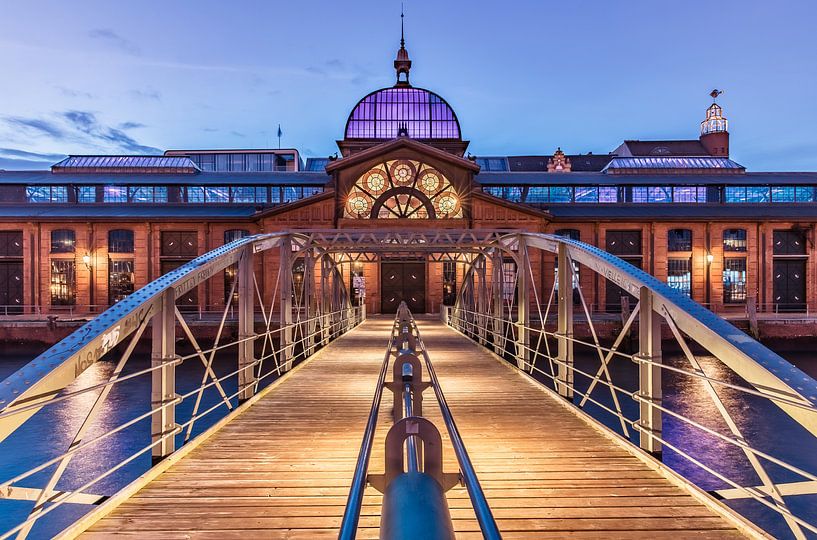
[[627, 246], [401, 281], [790, 284], [189, 300], [11, 287]]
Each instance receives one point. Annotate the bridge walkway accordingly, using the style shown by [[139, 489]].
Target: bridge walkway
[[282, 469]]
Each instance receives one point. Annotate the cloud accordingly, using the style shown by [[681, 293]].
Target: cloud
[[70, 92], [110, 37], [237, 134], [22, 154], [147, 94], [35, 126], [131, 125], [86, 123]]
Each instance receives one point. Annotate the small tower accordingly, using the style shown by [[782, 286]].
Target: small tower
[[715, 129], [402, 64], [559, 162]]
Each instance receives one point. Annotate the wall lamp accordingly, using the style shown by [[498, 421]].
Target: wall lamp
[[709, 258], [86, 259]]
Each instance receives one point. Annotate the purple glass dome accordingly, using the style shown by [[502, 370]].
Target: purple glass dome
[[381, 115]]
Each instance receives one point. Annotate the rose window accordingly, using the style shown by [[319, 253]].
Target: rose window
[[403, 189]]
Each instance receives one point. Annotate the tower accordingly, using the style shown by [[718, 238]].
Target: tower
[[402, 64], [715, 129]]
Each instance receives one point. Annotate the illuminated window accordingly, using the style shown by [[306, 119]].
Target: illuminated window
[[734, 280], [120, 279], [679, 274], [63, 282], [63, 241], [404, 189]]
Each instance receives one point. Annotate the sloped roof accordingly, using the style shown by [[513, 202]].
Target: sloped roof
[[578, 162], [126, 164], [688, 147]]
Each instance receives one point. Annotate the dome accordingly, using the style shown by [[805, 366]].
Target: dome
[[382, 114]]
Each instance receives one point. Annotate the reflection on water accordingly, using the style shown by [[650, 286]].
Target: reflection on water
[[761, 423]]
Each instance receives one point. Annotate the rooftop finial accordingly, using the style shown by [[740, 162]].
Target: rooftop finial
[[715, 93], [402, 63], [402, 35]]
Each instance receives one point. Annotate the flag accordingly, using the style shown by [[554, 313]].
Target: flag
[[279, 131]]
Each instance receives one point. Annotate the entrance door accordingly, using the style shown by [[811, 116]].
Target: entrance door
[[401, 281], [790, 284]]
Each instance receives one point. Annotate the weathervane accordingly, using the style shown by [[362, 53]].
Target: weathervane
[[715, 93]]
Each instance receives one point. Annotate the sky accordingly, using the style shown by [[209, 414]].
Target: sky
[[524, 77]]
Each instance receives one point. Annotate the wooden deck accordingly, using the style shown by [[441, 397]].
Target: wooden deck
[[283, 468]]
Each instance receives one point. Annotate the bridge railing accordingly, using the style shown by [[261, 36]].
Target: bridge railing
[[166, 398], [721, 409], [413, 483]]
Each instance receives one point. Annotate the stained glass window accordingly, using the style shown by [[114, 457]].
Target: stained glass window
[[382, 114], [403, 189]]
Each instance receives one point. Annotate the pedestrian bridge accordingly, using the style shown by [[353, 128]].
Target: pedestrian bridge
[[503, 416]]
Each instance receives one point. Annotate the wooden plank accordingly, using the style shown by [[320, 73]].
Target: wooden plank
[[283, 468]]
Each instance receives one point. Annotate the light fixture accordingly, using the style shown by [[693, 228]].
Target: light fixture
[[86, 259], [709, 258]]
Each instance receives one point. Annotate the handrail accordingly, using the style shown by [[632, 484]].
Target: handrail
[[485, 517], [351, 515]]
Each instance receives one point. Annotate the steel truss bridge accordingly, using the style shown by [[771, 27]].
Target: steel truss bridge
[[510, 415]]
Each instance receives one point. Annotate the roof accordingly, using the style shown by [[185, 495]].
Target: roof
[[200, 179], [126, 164], [676, 164], [316, 164], [689, 147], [383, 113], [578, 162], [388, 146], [598, 178]]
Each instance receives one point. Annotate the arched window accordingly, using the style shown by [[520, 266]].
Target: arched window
[[231, 235], [120, 241], [404, 189], [679, 240], [63, 241]]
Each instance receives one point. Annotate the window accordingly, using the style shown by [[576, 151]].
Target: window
[[147, 194], [624, 242], [689, 194], [734, 280], [449, 283], [608, 194], [537, 194], [180, 244], [275, 194], [86, 194], [508, 280], [120, 279], [120, 241], [47, 194], [679, 274], [804, 193], [679, 240], [232, 235], [783, 194], [216, 194], [247, 194], [561, 194], [312, 190], [512, 193], [194, 194], [115, 194], [292, 193], [734, 240], [63, 241], [63, 282], [587, 194], [573, 234]]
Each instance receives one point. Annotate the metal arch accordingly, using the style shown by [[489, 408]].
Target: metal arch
[[768, 372], [50, 372]]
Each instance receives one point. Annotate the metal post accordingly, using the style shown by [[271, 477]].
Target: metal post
[[246, 326], [523, 307], [467, 296], [649, 374], [310, 304], [285, 315], [497, 325], [564, 328], [163, 381], [326, 300], [482, 300]]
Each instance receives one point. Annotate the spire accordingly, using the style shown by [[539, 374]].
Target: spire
[[402, 64], [714, 121]]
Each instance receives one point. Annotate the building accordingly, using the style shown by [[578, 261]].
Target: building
[[90, 230]]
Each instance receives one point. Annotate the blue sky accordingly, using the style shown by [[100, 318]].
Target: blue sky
[[523, 77]]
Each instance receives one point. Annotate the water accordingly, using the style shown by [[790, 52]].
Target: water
[[763, 424]]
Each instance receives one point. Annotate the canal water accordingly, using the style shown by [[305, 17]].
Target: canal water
[[766, 427]]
